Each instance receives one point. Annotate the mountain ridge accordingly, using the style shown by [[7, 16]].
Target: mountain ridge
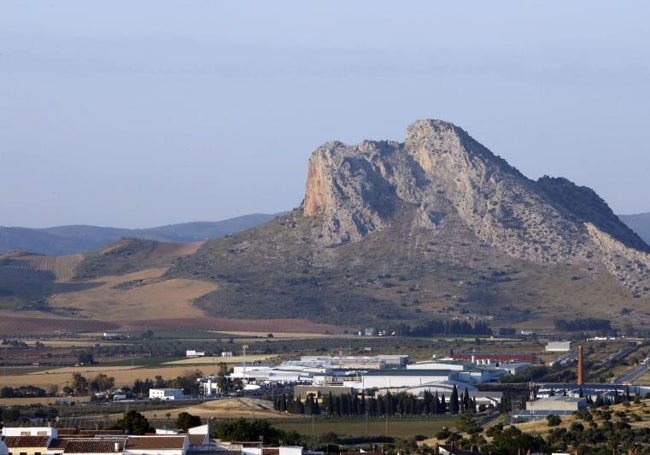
[[432, 190], [73, 239], [396, 234]]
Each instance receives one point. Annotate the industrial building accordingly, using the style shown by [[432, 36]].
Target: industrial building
[[558, 346]]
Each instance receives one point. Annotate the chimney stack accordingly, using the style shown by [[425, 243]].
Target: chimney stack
[[580, 366]]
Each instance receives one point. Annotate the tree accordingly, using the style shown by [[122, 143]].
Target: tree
[[553, 420], [101, 383], [133, 423], [506, 403], [10, 415], [454, 402], [185, 420], [512, 440], [223, 381], [7, 392], [467, 401], [243, 430], [85, 358], [159, 382], [79, 384]]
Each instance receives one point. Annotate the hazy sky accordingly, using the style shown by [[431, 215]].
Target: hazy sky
[[144, 113]]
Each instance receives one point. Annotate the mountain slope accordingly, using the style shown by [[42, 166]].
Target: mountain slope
[[435, 226]]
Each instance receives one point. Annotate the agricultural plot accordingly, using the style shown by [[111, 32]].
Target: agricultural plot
[[395, 427]]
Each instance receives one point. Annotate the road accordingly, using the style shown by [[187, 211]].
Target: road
[[631, 375]]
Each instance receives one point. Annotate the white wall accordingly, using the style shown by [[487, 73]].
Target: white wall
[[29, 431], [166, 394]]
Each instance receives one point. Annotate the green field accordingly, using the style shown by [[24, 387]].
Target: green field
[[394, 426]]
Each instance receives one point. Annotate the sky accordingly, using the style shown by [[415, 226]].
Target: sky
[[141, 114]]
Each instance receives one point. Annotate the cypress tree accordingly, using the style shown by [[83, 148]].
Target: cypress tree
[[436, 404], [467, 402], [454, 402]]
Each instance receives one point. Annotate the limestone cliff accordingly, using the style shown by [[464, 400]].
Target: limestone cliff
[[440, 170]]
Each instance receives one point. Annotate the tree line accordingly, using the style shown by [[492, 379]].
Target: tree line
[[443, 327], [24, 391], [577, 325], [355, 404]]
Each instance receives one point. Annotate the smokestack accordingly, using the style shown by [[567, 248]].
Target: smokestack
[[580, 366]]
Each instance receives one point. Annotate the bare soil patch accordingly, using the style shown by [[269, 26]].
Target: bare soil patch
[[234, 326], [137, 296], [164, 250], [11, 324], [61, 266], [229, 408], [283, 335], [124, 375]]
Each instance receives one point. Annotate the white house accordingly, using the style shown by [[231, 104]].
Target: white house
[[29, 431], [26, 440], [166, 394], [282, 450], [194, 353]]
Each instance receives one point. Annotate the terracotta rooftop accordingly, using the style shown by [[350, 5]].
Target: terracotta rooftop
[[101, 432], [94, 445], [26, 441], [58, 443], [155, 442]]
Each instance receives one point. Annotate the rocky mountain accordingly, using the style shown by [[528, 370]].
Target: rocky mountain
[[640, 223], [438, 223], [63, 240], [389, 234]]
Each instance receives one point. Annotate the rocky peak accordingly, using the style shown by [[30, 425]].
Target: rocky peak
[[440, 170]]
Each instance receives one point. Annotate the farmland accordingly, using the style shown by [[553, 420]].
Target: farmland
[[395, 427]]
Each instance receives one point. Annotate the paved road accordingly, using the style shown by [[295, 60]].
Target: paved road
[[632, 374]]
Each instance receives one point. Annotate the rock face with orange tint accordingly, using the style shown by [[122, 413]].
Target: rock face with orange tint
[[439, 169]]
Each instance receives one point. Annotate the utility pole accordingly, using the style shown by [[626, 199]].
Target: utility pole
[[244, 347]]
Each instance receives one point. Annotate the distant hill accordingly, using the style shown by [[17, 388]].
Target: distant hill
[[64, 240], [639, 223]]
